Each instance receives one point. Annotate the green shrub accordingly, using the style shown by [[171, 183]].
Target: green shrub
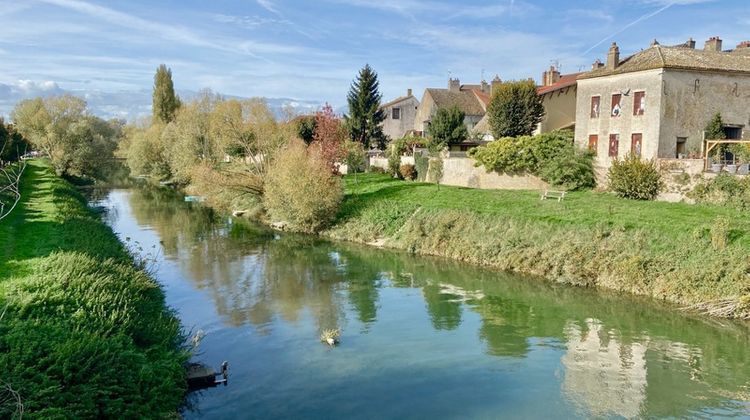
[[551, 156], [572, 170], [725, 190], [376, 170], [635, 179], [507, 155], [435, 170], [300, 190], [408, 172]]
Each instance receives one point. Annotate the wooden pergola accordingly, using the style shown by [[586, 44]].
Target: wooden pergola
[[712, 144]]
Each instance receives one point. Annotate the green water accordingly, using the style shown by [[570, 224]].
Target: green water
[[420, 337]]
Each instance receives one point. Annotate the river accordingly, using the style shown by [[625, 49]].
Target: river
[[420, 337]]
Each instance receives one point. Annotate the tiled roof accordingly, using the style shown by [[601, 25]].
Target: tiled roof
[[484, 99], [565, 81], [397, 100], [658, 56], [465, 100]]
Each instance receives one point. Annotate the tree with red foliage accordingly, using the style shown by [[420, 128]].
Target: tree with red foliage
[[329, 136]]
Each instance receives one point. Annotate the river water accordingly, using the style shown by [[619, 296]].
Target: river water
[[420, 337]]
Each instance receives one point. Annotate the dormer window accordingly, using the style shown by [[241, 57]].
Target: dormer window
[[396, 113], [616, 108], [639, 103]]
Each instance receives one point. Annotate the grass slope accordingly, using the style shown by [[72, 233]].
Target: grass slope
[[664, 250], [85, 333]]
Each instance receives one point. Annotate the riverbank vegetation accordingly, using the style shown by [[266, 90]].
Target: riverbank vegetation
[[78, 144], [663, 250], [84, 331]]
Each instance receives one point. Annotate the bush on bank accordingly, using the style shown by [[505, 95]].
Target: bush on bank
[[85, 334], [672, 252]]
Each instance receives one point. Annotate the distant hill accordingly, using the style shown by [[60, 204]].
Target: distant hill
[[128, 105]]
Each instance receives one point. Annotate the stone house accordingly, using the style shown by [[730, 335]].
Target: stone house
[[657, 102], [471, 99], [400, 115], [558, 95]]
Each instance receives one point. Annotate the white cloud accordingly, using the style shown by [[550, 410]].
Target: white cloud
[[268, 5]]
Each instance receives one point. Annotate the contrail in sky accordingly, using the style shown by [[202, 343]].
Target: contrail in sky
[[642, 18]]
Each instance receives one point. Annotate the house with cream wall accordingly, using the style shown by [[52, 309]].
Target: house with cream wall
[[400, 114], [657, 102]]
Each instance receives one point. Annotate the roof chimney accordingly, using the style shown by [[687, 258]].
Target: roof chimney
[[454, 85], [408, 92], [485, 87], [613, 56], [597, 64], [496, 82], [550, 77], [690, 43], [713, 44], [743, 44]]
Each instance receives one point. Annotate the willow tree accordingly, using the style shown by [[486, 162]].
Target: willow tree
[[365, 116], [164, 102]]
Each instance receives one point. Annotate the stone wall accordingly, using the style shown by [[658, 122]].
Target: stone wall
[[461, 172]]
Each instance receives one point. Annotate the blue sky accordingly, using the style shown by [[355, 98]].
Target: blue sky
[[311, 50]]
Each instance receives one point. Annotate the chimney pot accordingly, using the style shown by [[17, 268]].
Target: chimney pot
[[408, 92], [613, 57], [743, 44], [713, 44], [454, 85]]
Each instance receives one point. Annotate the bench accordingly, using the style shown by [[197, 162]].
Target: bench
[[552, 194]]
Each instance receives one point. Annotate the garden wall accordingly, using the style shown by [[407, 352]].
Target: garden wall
[[461, 172]]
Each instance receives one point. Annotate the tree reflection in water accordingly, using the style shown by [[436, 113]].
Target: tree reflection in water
[[618, 356]]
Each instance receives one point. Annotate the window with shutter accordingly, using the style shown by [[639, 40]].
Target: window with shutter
[[635, 144], [616, 109], [639, 103], [614, 144], [396, 113], [594, 144], [595, 106]]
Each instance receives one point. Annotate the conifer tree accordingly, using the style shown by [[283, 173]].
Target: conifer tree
[[165, 101], [365, 116]]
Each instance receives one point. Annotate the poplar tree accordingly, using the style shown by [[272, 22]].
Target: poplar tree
[[165, 101], [365, 116]]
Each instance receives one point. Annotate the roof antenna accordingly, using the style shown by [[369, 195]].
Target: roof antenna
[[482, 79], [556, 64]]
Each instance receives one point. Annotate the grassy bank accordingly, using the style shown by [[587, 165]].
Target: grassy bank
[[687, 254], [85, 333]]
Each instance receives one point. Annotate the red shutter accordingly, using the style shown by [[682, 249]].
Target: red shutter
[[639, 103], [595, 106], [616, 110], [614, 144], [593, 144], [635, 144]]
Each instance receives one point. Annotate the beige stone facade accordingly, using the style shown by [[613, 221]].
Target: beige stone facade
[[400, 115], [657, 102]]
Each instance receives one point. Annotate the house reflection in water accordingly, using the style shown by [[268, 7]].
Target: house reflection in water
[[602, 375]]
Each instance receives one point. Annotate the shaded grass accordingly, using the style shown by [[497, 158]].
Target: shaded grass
[[86, 334], [657, 249]]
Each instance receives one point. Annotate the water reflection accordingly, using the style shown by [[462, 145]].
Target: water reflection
[[613, 356]]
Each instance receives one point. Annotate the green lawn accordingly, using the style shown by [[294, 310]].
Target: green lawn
[[85, 333], [694, 255], [579, 209]]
